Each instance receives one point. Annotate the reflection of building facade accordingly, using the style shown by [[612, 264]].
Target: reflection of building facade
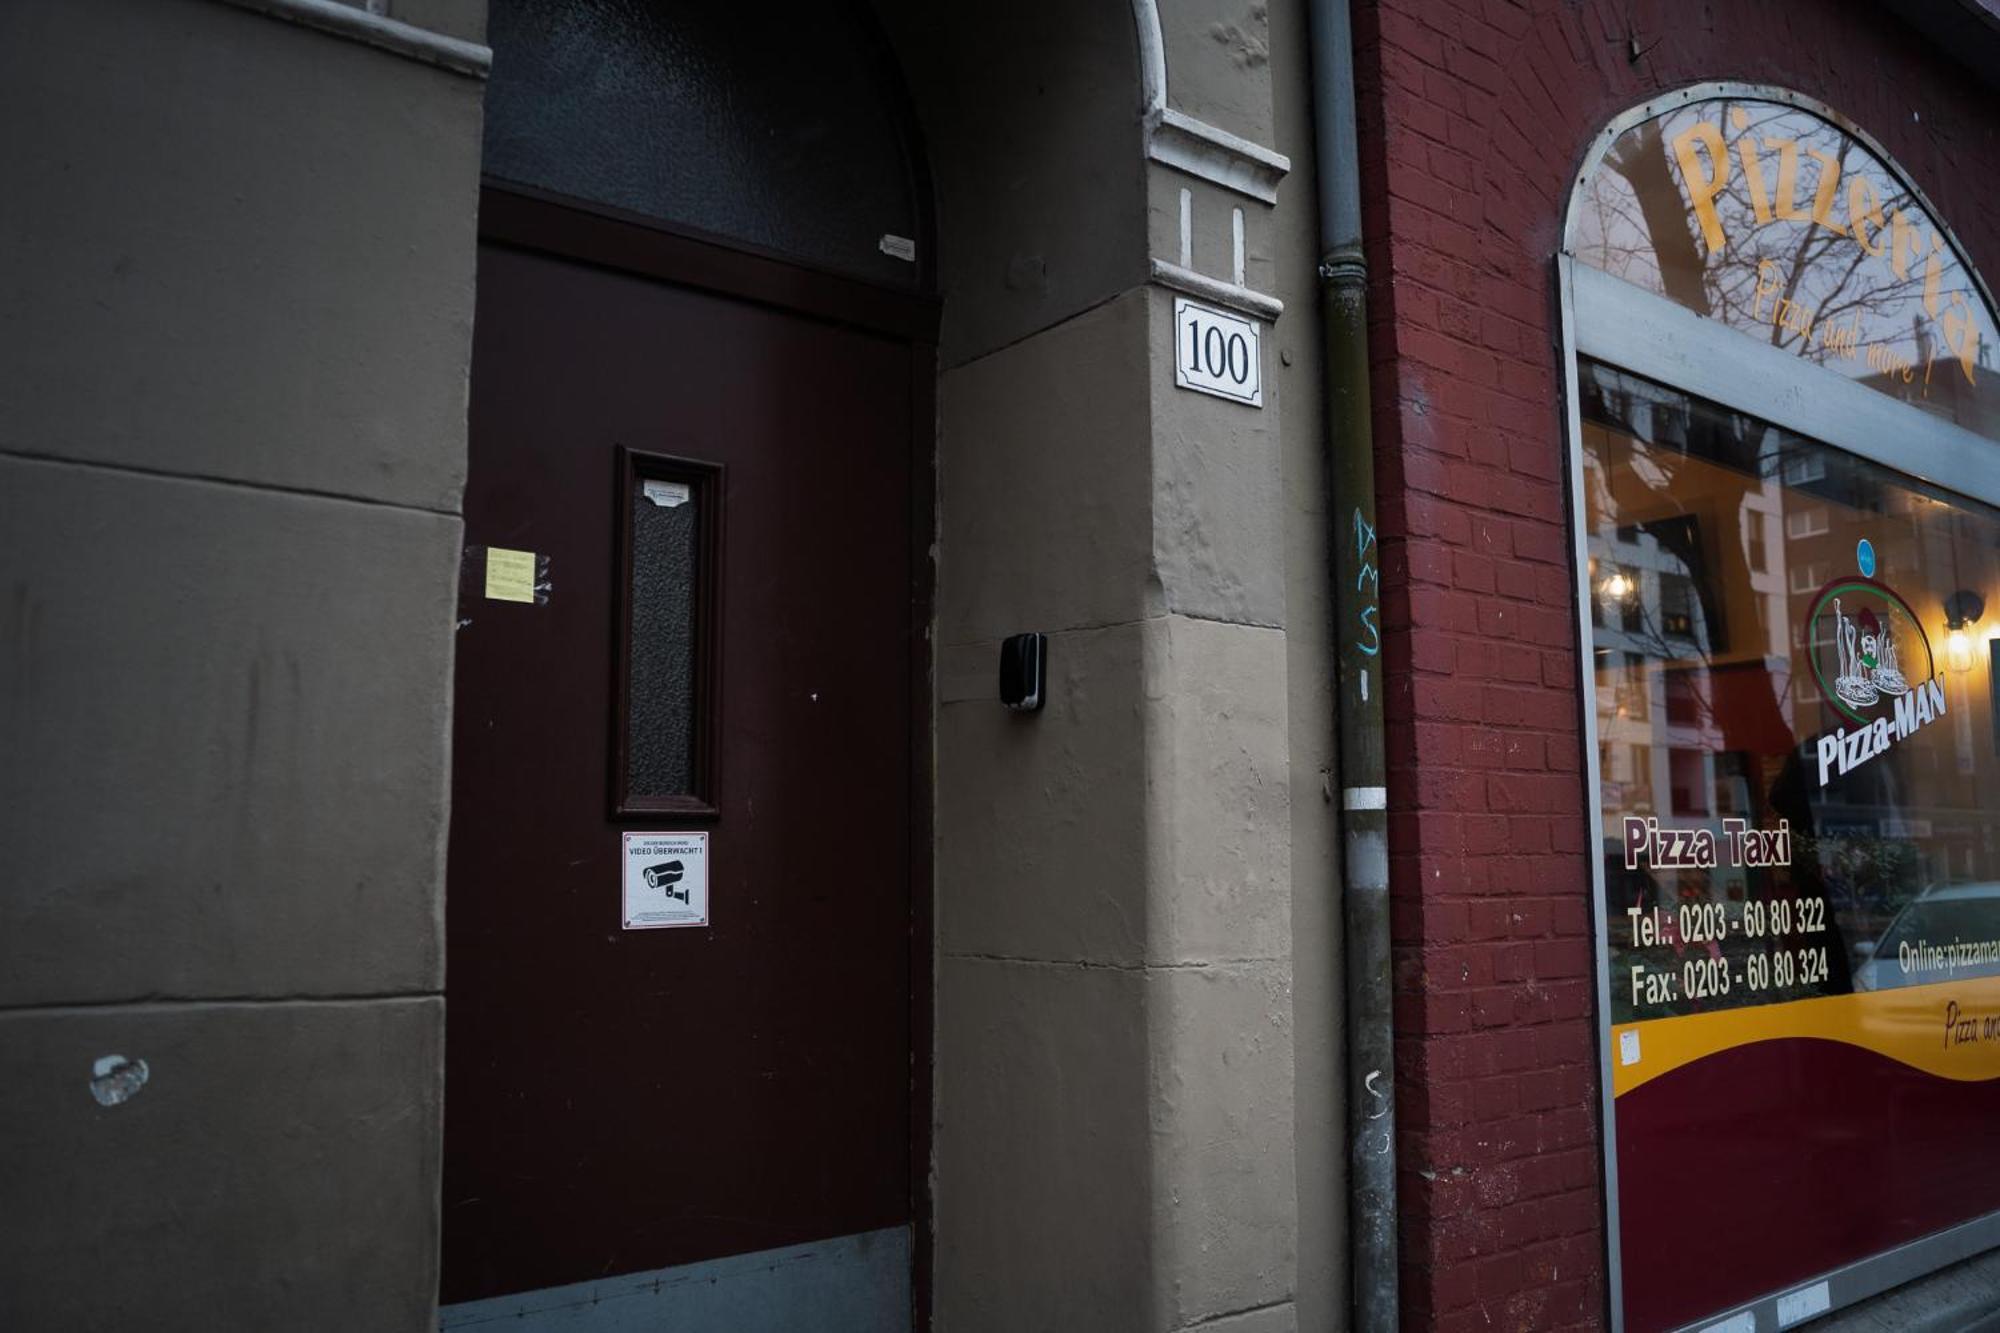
[[1468, 783], [1656, 651]]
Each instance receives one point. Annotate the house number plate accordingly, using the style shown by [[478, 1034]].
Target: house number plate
[[1217, 353]]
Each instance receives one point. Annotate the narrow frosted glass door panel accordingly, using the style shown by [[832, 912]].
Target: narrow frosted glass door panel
[[668, 508], [660, 712]]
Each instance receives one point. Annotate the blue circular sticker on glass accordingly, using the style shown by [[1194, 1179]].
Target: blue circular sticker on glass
[[1864, 555]]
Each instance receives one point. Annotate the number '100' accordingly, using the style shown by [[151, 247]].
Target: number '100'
[[1216, 355]]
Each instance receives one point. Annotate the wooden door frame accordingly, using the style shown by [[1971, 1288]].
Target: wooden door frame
[[528, 219]]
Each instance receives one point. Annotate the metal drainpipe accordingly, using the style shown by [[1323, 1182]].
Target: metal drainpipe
[[1364, 816]]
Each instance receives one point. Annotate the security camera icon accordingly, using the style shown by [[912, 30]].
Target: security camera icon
[[664, 876]]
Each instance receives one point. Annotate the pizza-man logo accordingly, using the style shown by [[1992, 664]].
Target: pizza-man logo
[[1873, 664]]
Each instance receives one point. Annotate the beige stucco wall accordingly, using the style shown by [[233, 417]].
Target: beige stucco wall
[[1121, 934], [239, 257]]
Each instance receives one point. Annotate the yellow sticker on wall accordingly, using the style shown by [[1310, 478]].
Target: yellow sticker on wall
[[510, 575]]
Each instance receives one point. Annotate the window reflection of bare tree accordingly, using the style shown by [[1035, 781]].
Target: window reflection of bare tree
[[1780, 257], [1637, 226], [1651, 220], [1744, 211]]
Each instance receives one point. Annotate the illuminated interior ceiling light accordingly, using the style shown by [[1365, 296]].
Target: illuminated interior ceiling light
[[1961, 609], [1618, 586], [1957, 651]]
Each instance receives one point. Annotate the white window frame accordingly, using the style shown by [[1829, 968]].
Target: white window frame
[[1808, 522]]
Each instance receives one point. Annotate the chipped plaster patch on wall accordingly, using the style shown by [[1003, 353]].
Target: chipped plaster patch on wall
[[115, 1080], [1248, 44]]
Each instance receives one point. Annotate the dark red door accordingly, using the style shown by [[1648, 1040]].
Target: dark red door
[[621, 1100]]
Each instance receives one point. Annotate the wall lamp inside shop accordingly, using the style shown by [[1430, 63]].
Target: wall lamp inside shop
[[1961, 610]]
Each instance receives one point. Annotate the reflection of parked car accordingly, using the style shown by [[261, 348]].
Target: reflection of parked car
[[1938, 936]]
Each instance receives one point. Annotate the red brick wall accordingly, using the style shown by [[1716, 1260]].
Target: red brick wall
[[1475, 116]]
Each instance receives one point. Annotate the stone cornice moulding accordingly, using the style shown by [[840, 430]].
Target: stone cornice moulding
[[1244, 300], [386, 34], [1178, 140]]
